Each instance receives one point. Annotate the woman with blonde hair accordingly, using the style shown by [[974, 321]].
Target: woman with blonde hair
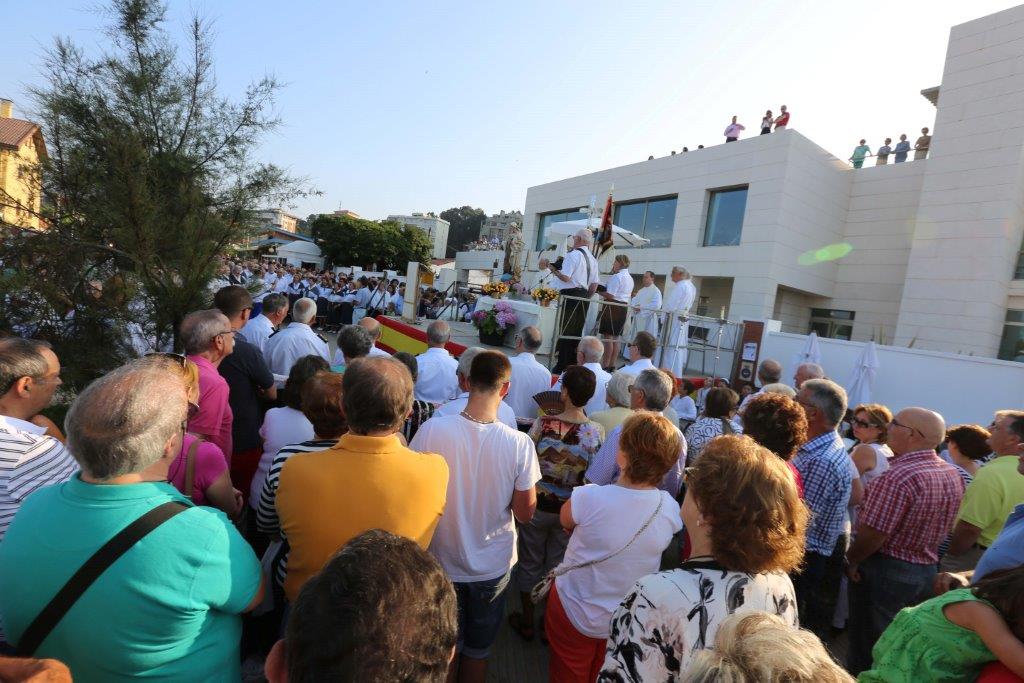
[[871, 429], [758, 647], [746, 525], [200, 471]]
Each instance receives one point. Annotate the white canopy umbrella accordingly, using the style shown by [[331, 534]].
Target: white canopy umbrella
[[810, 353], [620, 236], [862, 379]]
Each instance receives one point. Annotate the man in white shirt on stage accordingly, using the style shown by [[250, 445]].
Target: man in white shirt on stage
[[257, 329], [297, 340], [613, 316], [576, 278], [436, 380], [678, 303], [645, 306], [588, 354], [641, 352], [528, 376], [455, 406]]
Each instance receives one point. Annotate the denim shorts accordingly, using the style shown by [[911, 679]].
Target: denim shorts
[[481, 610]]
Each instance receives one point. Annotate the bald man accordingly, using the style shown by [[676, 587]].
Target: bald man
[[374, 328], [907, 512]]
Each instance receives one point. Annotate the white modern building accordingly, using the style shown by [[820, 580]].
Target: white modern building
[[278, 218], [435, 228], [924, 253]]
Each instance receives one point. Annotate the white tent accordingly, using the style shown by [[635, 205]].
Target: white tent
[[862, 379], [564, 229], [298, 252]]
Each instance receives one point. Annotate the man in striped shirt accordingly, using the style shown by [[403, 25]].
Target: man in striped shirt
[[31, 456]]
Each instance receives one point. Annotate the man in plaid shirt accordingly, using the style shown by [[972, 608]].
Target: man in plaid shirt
[[826, 471], [907, 512]]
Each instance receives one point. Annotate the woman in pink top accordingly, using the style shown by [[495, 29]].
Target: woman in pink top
[[211, 480]]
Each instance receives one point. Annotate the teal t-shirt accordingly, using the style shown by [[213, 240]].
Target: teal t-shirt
[[167, 610]]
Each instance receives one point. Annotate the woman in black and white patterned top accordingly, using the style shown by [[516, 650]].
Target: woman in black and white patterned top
[[718, 418], [746, 524]]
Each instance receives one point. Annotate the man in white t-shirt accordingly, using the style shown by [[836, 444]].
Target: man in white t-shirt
[[493, 472], [576, 278], [588, 354], [455, 406], [528, 376], [436, 380], [641, 352]]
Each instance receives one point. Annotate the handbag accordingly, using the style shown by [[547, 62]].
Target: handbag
[[109, 552], [544, 585]]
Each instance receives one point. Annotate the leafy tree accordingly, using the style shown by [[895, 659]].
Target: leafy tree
[[149, 179], [465, 226], [348, 241]]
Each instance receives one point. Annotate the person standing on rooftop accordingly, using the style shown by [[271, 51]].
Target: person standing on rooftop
[[766, 123], [859, 152], [733, 130], [902, 147], [883, 153], [782, 120]]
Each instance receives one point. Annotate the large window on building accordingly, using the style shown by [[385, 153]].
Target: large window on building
[[832, 324], [1018, 274], [725, 217], [1012, 345], [546, 219], [651, 218]]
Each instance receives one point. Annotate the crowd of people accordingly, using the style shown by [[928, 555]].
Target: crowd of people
[[254, 507], [899, 152]]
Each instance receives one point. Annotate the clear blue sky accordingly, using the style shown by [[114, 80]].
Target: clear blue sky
[[404, 106]]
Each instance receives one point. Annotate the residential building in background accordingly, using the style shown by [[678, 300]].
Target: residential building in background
[[499, 224], [345, 213], [435, 228], [925, 254], [21, 150], [279, 218]]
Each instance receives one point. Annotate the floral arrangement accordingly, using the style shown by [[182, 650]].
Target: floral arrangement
[[518, 288], [495, 289], [545, 294], [497, 319]]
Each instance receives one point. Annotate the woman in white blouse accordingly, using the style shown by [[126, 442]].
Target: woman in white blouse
[[613, 316], [746, 524]]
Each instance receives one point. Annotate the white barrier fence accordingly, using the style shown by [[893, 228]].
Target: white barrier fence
[[961, 388]]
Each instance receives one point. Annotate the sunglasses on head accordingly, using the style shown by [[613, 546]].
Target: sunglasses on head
[[178, 358]]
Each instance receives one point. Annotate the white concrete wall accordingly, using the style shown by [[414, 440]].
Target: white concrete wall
[[961, 388], [971, 213]]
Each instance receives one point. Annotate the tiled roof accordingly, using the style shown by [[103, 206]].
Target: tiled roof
[[14, 131]]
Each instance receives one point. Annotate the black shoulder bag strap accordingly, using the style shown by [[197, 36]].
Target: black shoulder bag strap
[[87, 574]]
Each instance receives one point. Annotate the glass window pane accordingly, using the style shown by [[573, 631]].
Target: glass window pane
[[725, 218], [1014, 316], [630, 216], [1019, 272], [1012, 345], [820, 327], [842, 332], [542, 228], [661, 216]]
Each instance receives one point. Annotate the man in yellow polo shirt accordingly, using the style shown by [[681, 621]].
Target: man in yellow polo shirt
[[997, 488], [369, 480]]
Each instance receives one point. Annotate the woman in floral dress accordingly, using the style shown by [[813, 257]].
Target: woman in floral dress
[[565, 444]]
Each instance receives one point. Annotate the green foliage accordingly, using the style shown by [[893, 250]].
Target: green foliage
[[465, 226], [348, 241], [149, 179]]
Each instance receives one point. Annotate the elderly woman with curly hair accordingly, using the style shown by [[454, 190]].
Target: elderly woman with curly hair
[[746, 525], [778, 423]]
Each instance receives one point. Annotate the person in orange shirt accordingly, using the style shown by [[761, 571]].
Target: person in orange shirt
[[368, 480]]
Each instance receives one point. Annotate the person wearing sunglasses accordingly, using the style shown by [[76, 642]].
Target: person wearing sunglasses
[[906, 514]]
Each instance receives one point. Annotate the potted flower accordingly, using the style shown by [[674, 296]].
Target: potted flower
[[495, 290], [495, 323], [544, 295]]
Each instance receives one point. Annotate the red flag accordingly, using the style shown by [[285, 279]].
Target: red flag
[[604, 233]]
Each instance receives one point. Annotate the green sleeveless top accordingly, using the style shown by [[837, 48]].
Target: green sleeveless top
[[921, 644]]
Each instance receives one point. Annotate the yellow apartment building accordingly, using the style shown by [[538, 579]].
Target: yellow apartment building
[[21, 149]]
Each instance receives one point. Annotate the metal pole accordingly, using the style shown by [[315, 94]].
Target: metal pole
[[558, 333], [718, 347]]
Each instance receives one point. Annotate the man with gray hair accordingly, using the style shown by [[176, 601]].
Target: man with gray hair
[[589, 353], [650, 391], [208, 339], [172, 600], [33, 455], [436, 380], [297, 340], [373, 326], [506, 414], [768, 372], [827, 473], [678, 303], [528, 376], [578, 277], [806, 371], [259, 328]]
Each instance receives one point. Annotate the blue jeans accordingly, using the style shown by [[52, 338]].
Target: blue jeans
[[817, 588], [886, 586], [481, 609]]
